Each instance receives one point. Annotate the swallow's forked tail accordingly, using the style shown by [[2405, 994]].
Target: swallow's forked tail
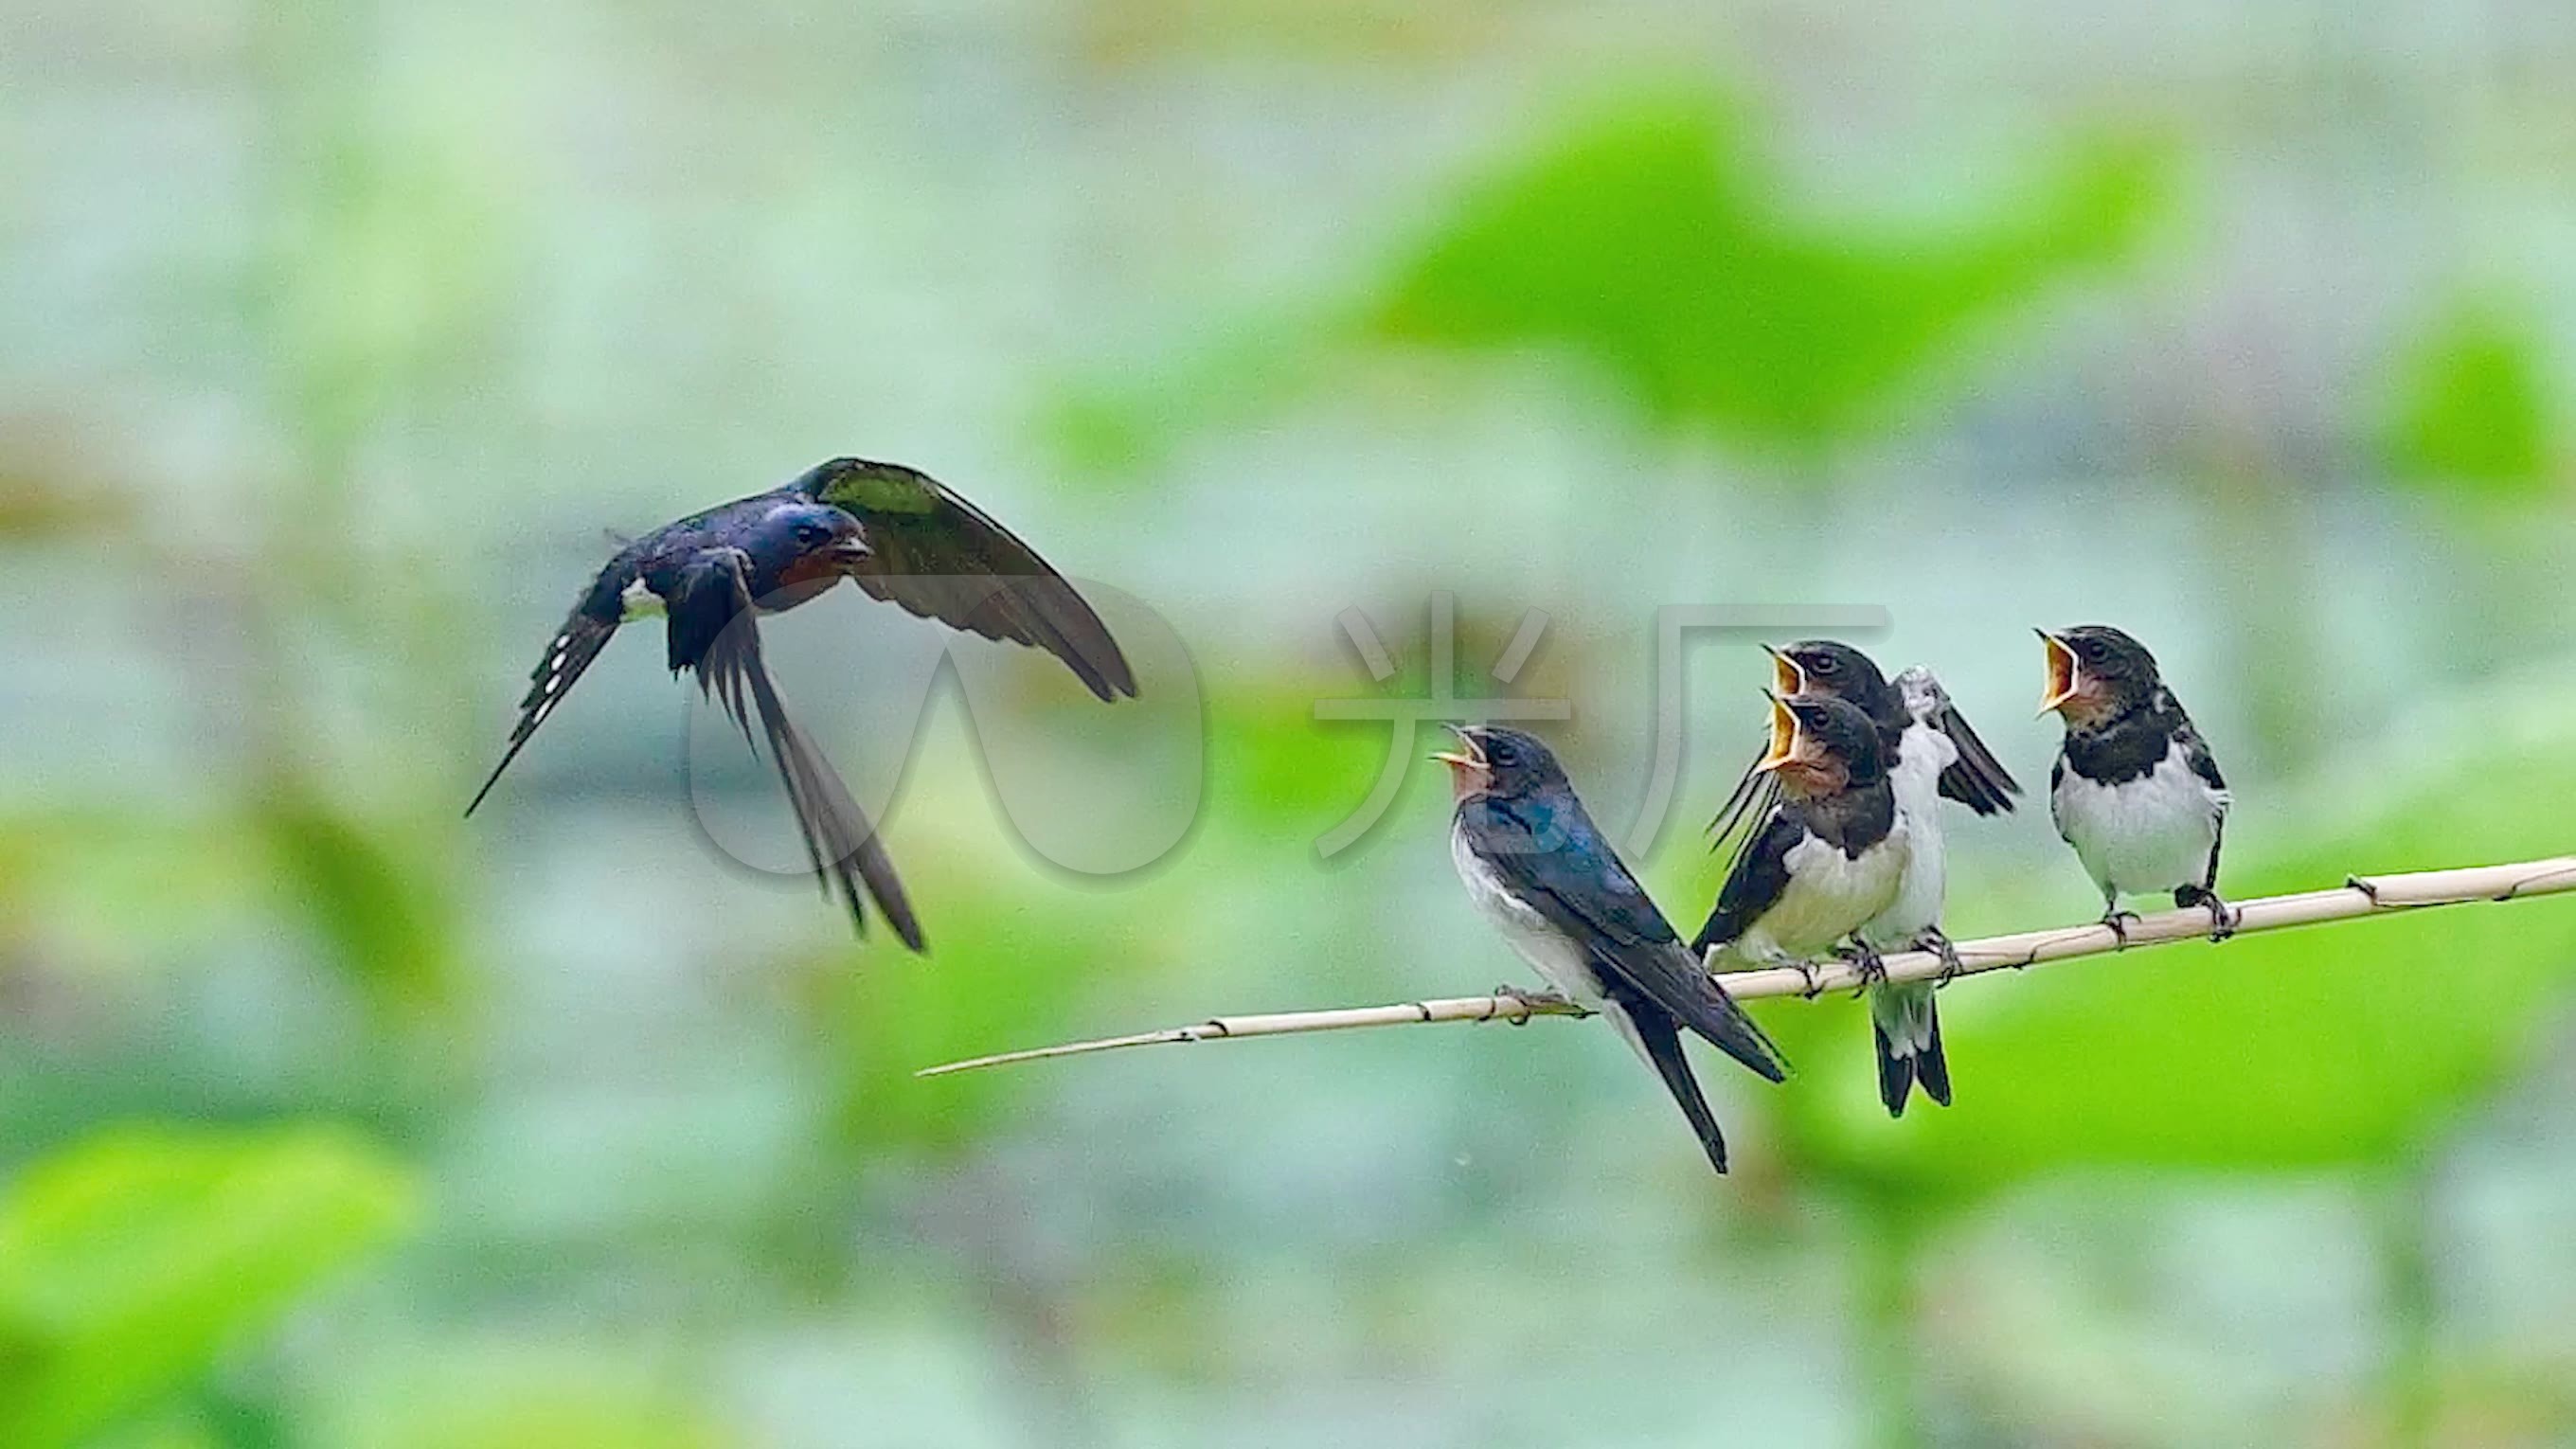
[[1905, 1021]]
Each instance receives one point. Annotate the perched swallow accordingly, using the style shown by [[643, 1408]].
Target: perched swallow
[[1538, 868], [1821, 666], [1830, 856], [1931, 752], [2134, 790], [900, 535]]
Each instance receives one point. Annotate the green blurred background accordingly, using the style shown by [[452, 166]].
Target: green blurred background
[[336, 336]]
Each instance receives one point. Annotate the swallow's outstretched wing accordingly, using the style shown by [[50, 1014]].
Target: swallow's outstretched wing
[[943, 558], [714, 631], [585, 632], [1584, 890], [1976, 779]]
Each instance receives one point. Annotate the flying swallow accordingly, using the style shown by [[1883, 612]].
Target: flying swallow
[[903, 537], [1829, 857], [2135, 789], [1931, 752], [1543, 874]]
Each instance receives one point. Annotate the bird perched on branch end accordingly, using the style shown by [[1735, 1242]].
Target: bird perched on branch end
[[1543, 874], [2135, 789], [897, 533]]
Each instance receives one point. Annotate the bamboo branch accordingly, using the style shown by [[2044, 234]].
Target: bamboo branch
[[2357, 897]]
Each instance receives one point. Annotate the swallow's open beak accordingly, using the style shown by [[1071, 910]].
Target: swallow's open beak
[[1468, 771], [1787, 676], [2063, 680], [1784, 737], [851, 550]]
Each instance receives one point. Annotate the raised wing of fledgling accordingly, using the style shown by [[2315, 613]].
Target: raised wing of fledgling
[[592, 624], [715, 632], [1976, 779], [943, 558], [1740, 818]]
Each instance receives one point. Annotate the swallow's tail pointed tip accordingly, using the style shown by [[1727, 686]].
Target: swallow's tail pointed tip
[[1895, 1073]]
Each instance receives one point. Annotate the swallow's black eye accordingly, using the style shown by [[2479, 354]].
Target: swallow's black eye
[[810, 533], [2089, 648], [1825, 664], [1503, 754]]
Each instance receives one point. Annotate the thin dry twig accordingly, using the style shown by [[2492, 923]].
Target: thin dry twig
[[2359, 896]]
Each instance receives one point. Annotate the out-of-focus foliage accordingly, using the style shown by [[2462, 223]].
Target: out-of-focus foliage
[[339, 334], [1651, 240], [373, 895], [523, 1397], [2472, 410], [1000, 974], [129, 1262]]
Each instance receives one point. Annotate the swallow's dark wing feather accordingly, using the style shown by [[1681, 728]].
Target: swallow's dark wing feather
[[1755, 885], [943, 558], [585, 632], [2195, 751], [1976, 779], [714, 630], [1755, 796], [1661, 1042], [1582, 888]]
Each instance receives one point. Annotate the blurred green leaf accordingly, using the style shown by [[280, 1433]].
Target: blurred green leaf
[[175, 1432], [1115, 425], [2324, 1046], [1651, 242], [2471, 412], [378, 896], [1010, 972], [129, 1262], [523, 1397]]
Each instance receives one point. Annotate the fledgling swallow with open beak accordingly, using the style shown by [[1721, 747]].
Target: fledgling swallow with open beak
[[901, 536], [1829, 857], [1931, 752], [2135, 789], [1543, 874]]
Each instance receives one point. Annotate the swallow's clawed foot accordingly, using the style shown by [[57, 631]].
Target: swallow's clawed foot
[[1939, 945], [2119, 921], [1531, 1003], [1815, 980], [2223, 918], [1866, 960]]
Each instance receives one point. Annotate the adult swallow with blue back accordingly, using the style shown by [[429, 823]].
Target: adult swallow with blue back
[[1544, 875], [1931, 753], [901, 536], [1828, 858], [2135, 789]]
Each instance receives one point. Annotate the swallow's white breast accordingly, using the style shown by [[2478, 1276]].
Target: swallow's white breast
[[1564, 964], [2144, 835], [1829, 896], [1924, 753]]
